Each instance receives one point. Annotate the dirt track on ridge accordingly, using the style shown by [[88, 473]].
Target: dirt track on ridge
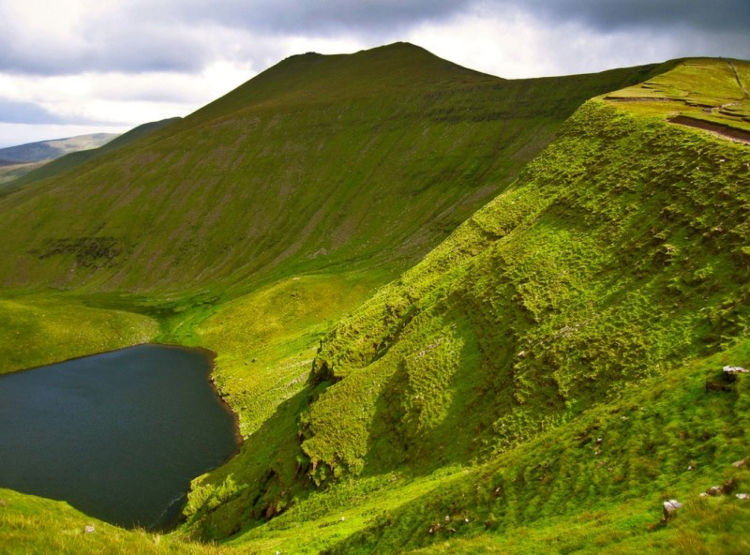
[[724, 131]]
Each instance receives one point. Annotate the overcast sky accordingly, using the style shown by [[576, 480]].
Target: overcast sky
[[69, 67]]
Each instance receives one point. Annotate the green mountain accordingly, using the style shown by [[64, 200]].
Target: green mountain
[[319, 162], [10, 171], [540, 378]]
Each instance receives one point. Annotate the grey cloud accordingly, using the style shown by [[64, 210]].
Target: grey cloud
[[653, 14], [118, 43], [322, 17], [185, 35], [388, 16], [12, 111], [26, 112]]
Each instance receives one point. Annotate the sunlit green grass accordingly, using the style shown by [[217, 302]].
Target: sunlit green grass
[[31, 525], [609, 262], [704, 89], [42, 329]]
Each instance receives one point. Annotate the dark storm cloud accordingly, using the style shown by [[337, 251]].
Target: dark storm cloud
[[185, 35], [605, 15], [322, 17], [368, 16]]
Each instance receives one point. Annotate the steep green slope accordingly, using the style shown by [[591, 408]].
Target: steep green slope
[[592, 270], [11, 171], [74, 159], [370, 158], [617, 257], [597, 484]]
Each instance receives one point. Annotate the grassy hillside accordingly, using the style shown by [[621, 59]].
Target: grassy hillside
[[11, 171], [540, 382], [320, 162], [592, 270], [39, 330], [614, 263], [701, 91], [30, 525], [18, 161]]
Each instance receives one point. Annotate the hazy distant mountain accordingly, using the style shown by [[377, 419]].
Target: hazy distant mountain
[[29, 173], [55, 148]]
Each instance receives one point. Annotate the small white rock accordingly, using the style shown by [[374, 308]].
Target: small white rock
[[88, 529], [670, 508]]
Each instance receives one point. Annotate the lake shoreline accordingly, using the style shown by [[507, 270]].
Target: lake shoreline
[[212, 366], [237, 440]]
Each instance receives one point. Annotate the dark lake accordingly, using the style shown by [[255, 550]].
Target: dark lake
[[118, 435]]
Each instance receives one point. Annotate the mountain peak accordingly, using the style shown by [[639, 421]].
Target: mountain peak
[[313, 77]]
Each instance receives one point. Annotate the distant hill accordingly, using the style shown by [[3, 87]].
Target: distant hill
[[49, 150], [17, 161], [75, 159]]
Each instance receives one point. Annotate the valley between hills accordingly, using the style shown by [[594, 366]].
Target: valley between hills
[[453, 313]]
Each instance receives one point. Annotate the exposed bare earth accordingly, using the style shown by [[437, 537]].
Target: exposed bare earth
[[725, 131]]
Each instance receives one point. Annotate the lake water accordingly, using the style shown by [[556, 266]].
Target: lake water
[[118, 435]]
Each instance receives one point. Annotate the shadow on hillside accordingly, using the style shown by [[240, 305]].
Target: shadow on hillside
[[427, 416], [259, 482]]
